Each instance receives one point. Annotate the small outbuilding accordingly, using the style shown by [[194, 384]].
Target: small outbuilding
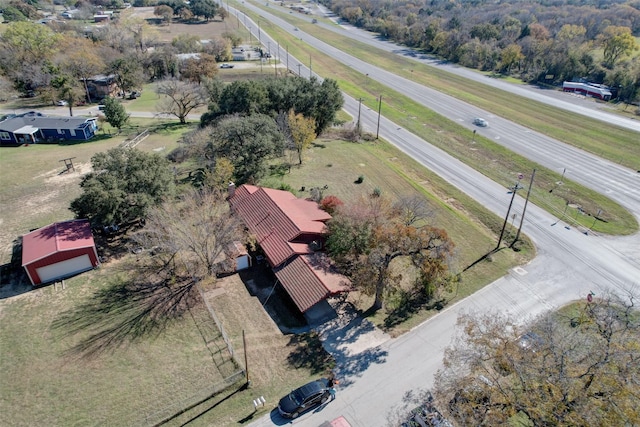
[[59, 250]]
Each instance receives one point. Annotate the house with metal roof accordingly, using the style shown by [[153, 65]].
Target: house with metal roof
[[58, 251], [291, 233], [31, 128]]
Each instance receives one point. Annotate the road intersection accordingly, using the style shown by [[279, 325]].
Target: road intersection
[[570, 264]]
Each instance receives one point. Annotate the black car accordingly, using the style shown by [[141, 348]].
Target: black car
[[304, 398]]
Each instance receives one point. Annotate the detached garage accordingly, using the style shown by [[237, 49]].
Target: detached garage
[[59, 250]]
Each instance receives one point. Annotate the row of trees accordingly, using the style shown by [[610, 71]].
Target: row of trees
[[235, 145], [537, 41]]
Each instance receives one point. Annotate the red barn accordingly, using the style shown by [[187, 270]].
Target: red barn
[[59, 250]]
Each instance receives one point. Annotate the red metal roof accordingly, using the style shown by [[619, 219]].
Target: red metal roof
[[277, 218], [57, 237], [311, 278]]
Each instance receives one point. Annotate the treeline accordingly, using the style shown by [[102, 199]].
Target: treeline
[[538, 41]]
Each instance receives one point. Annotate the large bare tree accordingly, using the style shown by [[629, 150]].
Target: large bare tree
[[578, 367], [180, 98], [190, 236]]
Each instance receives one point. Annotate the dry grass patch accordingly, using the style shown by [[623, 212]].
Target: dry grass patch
[[97, 353]]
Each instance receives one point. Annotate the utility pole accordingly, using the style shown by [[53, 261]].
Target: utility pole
[[299, 75], [514, 190], [310, 72], [379, 110], [524, 210], [288, 59], [246, 363], [359, 108]]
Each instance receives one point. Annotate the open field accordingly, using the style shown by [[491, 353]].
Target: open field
[[97, 352]]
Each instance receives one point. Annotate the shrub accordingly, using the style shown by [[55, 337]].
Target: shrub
[[330, 203], [360, 179]]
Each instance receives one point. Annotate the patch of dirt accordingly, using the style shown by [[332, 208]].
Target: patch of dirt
[[55, 183]]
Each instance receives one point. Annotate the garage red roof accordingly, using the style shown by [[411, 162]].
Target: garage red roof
[[57, 237]]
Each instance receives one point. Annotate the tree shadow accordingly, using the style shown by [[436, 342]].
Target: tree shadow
[[122, 313], [352, 366], [410, 305], [309, 354]]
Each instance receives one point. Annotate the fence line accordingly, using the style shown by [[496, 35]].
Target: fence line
[[136, 139], [225, 337], [177, 408]]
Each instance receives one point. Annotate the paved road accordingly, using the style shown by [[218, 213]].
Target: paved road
[[621, 184], [569, 264]]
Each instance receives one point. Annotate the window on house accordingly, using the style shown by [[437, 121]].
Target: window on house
[[5, 136]]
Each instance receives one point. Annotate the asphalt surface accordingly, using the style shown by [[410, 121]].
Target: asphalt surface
[[570, 264]]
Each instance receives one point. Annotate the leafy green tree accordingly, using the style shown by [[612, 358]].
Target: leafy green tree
[[186, 43], [128, 73], [115, 113], [244, 97], [617, 42], [27, 49], [13, 14], [124, 185], [510, 56], [205, 8], [329, 101], [302, 132], [68, 88], [248, 143], [274, 96], [161, 64]]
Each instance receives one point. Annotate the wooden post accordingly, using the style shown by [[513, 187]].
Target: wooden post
[[246, 362]]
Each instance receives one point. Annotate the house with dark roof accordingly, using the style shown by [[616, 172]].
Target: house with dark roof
[[291, 233], [101, 86], [31, 128], [58, 251]]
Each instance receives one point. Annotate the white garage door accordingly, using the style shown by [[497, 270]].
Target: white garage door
[[242, 262], [64, 268]]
